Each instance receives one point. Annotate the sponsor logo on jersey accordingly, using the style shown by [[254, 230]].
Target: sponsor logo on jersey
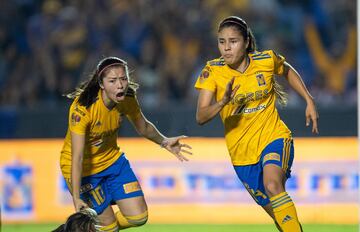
[[252, 110], [244, 98]]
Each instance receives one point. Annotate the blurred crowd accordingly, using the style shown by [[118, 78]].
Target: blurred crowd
[[48, 47]]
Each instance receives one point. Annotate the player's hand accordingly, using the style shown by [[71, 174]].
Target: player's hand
[[175, 147], [312, 115], [229, 92], [79, 204]]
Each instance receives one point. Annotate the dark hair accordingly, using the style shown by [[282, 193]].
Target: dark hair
[[88, 90], [242, 27], [83, 221]]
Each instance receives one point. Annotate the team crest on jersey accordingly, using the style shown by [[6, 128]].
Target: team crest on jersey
[[260, 79], [75, 119]]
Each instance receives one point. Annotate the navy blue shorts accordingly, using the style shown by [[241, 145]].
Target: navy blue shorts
[[279, 152], [116, 182]]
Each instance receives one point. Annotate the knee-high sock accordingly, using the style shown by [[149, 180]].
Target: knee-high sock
[[131, 221], [285, 213], [113, 227]]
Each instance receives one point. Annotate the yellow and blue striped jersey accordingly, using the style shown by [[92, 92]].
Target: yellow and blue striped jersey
[[251, 119], [100, 127]]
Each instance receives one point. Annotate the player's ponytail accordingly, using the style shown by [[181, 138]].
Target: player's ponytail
[[252, 42], [281, 95], [242, 27]]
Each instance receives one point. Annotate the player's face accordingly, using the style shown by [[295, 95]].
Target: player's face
[[232, 46], [115, 84]]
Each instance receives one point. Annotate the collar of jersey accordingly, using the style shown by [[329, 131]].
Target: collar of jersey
[[245, 71], [102, 101]]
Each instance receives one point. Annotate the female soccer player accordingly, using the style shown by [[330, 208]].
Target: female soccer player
[[94, 167], [240, 85]]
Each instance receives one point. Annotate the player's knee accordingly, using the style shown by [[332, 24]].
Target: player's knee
[[273, 188], [138, 220]]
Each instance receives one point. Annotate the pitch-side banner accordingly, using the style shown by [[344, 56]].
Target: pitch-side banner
[[324, 181]]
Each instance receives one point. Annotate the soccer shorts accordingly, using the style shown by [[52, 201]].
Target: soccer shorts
[[116, 182], [279, 152]]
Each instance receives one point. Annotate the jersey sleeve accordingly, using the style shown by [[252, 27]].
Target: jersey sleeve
[[79, 119], [278, 63], [206, 79]]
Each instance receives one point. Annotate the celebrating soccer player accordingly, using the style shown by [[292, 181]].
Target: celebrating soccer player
[[241, 87], [95, 168]]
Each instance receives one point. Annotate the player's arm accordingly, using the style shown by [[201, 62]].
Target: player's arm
[[146, 129], [77, 151], [296, 82], [207, 109]]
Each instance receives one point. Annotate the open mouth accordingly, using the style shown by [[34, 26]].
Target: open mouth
[[120, 94]]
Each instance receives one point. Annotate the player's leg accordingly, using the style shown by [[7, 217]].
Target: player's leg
[[127, 194], [277, 160], [95, 194], [108, 220], [283, 208], [98, 198], [269, 210], [264, 202], [252, 178], [132, 212], [96, 191]]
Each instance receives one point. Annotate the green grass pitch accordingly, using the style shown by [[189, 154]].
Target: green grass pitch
[[194, 228]]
